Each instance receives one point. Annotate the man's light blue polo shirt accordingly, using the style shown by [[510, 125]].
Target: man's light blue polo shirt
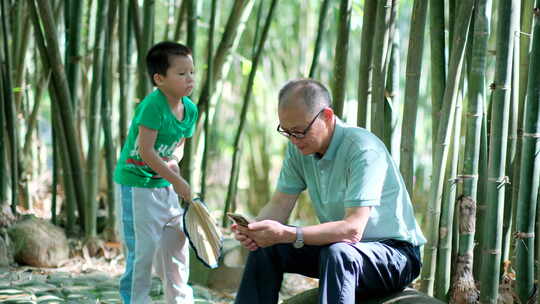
[[355, 171]]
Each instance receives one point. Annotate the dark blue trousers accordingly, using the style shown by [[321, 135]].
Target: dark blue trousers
[[346, 271]]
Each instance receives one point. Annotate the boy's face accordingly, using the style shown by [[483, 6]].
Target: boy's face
[[180, 78]]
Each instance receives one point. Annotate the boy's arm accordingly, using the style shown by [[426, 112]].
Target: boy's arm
[[147, 139], [178, 153]]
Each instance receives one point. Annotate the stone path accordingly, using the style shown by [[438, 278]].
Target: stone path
[[96, 287]]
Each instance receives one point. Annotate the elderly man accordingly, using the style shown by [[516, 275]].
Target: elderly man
[[367, 241]]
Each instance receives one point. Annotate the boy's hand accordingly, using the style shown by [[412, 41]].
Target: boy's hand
[[173, 166], [183, 190], [181, 187]]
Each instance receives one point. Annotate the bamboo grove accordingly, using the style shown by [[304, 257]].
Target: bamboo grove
[[451, 87]]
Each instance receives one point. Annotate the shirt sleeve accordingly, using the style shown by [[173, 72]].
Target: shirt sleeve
[[149, 116], [291, 179], [365, 179]]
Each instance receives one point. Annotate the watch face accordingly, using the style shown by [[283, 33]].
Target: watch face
[[298, 244]]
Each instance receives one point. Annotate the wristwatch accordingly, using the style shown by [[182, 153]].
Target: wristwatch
[[299, 243]]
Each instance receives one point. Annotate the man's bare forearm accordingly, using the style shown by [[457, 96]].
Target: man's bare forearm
[[279, 208]]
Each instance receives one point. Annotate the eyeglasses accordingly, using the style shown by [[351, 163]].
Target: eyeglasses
[[299, 134]]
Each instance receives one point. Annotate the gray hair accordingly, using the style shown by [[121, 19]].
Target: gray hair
[[315, 95]]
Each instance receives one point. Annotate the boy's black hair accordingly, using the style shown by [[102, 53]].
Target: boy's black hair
[[158, 57]]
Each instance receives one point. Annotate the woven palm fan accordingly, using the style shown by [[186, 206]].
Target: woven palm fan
[[203, 234]]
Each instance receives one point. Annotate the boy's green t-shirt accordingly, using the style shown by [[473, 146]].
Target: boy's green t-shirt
[[154, 113]]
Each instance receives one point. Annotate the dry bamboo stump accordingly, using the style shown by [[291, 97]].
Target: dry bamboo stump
[[407, 296]]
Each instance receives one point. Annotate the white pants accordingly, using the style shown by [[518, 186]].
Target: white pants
[[151, 228]]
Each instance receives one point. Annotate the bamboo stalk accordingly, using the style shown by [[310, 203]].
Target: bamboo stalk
[[379, 53], [94, 123], [444, 258], [323, 12], [339, 73], [438, 63], [65, 108], [524, 49], [365, 68], [233, 31], [231, 191], [3, 144], [443, 135], [73, 43], [147, 40], [58, 131], [192, 26], [475, 118], [391, 97], [180, 20], [123, 68], [10, 111], [412, 86], [32, 119], [106, 118], [530, 174], [490, 269], [187, 161], [209, 74], [511, 160]]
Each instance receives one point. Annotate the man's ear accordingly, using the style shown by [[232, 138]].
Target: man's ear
[[328, 113]]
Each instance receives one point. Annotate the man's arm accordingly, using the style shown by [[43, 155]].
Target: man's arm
[[279, 208], [350, 229]]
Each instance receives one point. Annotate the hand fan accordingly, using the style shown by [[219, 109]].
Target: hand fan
[[203, 234]]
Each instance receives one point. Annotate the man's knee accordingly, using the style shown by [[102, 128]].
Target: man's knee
[[338, 253], [264, 254]]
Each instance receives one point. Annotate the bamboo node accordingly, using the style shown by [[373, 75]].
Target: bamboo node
[[523, 235], [474, 114], [528, 35], [467, 176], [493, 86], [492, 251], [455, 180], [501, 180], [533, 135], [536, 11]]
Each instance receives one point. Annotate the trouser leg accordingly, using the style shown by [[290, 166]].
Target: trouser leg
[[140, 234], [264, 270], [172, 263], [351, 271]]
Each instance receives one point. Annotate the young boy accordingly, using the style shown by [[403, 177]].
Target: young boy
[[150, 183]]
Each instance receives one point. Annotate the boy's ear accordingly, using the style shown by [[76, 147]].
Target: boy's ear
[[157, 78]]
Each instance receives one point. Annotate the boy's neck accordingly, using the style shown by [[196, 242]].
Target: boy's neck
[[173, 102]]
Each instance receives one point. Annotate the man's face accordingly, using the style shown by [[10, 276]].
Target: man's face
[[295, 119]]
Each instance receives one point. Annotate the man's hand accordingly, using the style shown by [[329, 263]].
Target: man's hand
[[244, 239], [267, 233]]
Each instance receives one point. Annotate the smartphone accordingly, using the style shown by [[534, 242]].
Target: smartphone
[[238, 219]]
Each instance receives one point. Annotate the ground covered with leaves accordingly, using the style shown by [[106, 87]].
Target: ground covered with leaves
[[86, 279]]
